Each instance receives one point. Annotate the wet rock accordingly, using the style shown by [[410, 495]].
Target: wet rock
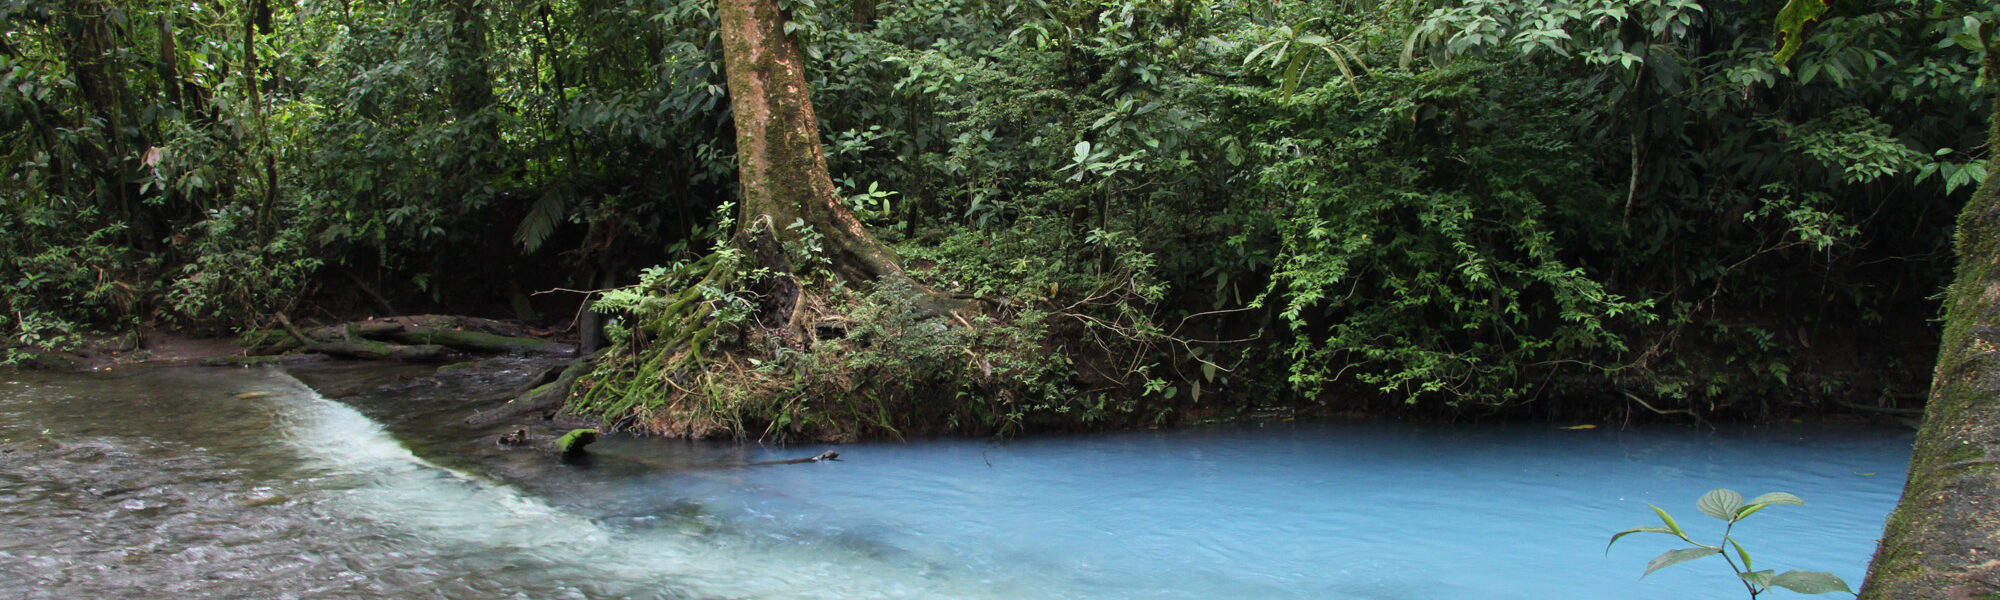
[[515, 438], [570, 445]]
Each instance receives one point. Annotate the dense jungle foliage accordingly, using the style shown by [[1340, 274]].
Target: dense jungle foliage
[[1160, 210]]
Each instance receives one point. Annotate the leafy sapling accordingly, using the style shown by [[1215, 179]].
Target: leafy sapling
[[1728, 506]]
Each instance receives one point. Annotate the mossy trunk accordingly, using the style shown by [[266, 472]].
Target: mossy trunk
[[1943, 541], [780, 165]]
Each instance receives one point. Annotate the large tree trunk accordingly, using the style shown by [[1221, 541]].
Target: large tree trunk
[[1943, 541], [780, 165]]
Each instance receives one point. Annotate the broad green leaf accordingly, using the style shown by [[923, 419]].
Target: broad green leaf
[[1721, 503], [1675, 557], [1778, 498], [1082, 151], [1968, 42], [1345, 71], [1614, 539], [1295, 71], [1810, 582], [1761, 579], [1259, 51], [1794, 20], [1409, 49]]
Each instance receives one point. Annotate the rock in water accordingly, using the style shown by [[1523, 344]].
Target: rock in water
[[570, 445], [518, 437]]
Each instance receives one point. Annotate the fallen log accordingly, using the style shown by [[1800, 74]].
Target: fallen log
[[267, 341], [373, 350], [362, 348], [402, 338], [367, 329]]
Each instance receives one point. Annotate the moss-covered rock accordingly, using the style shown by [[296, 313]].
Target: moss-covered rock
[[570, 445]]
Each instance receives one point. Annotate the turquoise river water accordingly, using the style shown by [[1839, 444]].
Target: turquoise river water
[[221, 483]]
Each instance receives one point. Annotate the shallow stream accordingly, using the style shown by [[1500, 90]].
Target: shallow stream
[[191, 483]]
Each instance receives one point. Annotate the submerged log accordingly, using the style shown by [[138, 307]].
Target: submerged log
[[822, 457]]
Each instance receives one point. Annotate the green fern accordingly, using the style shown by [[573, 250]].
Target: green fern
[[542, 219]]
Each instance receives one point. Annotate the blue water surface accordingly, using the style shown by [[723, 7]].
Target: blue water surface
[[233, 483], [1306, 510]]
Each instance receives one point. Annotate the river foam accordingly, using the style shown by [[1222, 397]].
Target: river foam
[[495, 527]]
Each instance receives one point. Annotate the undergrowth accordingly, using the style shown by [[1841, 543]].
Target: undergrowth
[[699, 351]]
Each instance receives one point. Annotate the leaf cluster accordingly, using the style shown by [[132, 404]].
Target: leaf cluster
[[1728, 506]]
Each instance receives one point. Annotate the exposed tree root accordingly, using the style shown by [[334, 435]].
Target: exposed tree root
[[543, 399]]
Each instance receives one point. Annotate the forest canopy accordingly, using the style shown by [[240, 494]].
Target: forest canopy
[[1159, 209]]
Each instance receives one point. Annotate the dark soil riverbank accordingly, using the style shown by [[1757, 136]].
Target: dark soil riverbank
[[146, 346]]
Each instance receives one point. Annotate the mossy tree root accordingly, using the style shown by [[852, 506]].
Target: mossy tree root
[[544, 399], [665, 355]]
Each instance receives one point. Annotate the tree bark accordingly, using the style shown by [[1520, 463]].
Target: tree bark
[[1943, 541], [88, 44], [469, 94], [469, 85], [256, 19], [781, 167], [169, 62]]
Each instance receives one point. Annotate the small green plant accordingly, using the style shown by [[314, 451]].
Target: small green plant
[[1728, 506]]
